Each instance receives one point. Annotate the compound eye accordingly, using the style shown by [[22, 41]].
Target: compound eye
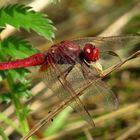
[[91, 53]]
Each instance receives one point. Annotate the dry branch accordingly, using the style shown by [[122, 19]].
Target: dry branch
[[131, 131], [129, 109]]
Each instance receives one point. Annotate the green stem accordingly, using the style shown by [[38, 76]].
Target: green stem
[[3, 135], [18, 109], [18, 106]]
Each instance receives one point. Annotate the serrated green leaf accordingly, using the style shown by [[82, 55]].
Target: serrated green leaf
[[19, 74], [16, 48], [20, 16], [23, 94]]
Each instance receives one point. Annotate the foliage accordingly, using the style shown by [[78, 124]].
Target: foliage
[[24, 17], [13, 47]]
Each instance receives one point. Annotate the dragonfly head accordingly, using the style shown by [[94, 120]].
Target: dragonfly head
[[90, 52], [91, 56]]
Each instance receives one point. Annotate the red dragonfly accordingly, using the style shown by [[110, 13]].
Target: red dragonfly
[[70, 64]]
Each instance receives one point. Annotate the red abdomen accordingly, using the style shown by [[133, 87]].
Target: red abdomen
[[33, 60]]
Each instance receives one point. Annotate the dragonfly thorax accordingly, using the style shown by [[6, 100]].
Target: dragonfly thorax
[[90, 53]]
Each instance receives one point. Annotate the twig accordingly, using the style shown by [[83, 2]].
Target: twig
[[131, 131], [88, 134], [123, 112]]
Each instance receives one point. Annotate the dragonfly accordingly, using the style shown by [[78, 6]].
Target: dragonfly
[[71, 64]]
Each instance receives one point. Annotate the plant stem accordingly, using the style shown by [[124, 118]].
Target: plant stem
[[18, 106], [3, 135]]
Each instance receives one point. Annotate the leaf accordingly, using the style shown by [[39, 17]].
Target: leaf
[[20, 16], [21, 90], [16, 48], [19, 74]]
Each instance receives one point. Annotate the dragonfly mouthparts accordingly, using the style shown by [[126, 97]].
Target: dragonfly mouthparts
[[95, 65]]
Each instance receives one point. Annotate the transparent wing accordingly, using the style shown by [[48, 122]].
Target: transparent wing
[[109, 58], [111, 43], [101, 95], [99, 91], [108, 98], [56, 80]]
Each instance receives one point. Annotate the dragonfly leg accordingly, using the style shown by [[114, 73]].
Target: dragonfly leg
[[84, 70], [67, 71]]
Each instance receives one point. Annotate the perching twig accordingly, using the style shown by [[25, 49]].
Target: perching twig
[[79, 126]]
